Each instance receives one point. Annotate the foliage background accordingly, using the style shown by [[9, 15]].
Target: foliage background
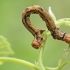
[[12, 28]]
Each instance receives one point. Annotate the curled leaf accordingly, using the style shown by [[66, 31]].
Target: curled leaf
[[51, 14]]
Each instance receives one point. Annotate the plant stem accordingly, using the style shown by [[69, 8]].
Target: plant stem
[[40, 64], [48, 68], [19, 61], [68, 62], [62, 62], [40, 59]]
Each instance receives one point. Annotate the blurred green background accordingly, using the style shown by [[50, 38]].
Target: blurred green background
[[20, 38]]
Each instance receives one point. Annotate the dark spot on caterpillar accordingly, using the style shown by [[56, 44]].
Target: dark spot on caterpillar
[[41, 31], [63, 36], [34, 12]]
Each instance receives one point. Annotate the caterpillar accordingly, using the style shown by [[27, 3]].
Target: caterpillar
[[50, 24]]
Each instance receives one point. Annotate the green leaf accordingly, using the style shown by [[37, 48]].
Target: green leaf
[[5, 48]]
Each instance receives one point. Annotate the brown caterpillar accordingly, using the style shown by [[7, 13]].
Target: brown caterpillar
[[55, 32]]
